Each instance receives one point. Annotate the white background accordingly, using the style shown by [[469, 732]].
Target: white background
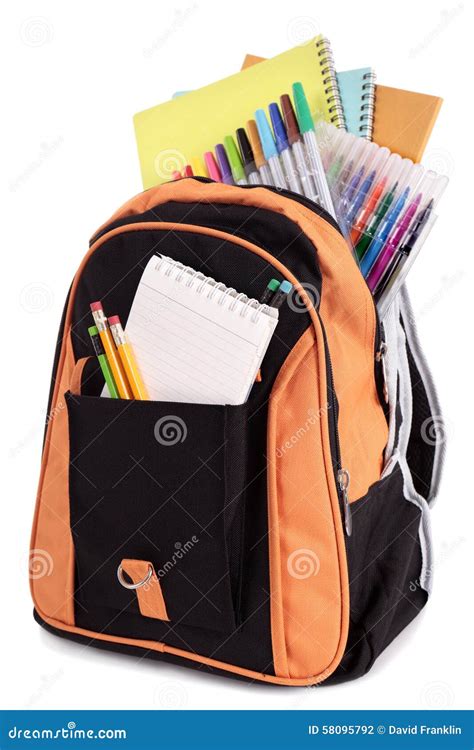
[[74, 75]]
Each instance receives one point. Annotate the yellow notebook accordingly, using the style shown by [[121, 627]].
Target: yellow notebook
[[172, 134]]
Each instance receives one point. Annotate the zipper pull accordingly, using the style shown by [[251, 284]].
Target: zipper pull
[[380, 357], [343, 479]]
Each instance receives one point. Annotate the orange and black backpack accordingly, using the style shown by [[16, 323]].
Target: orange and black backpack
[[286, 539]]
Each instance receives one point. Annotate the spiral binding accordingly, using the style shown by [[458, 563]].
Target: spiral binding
[[331, 87], [180, 273], [368, 107]]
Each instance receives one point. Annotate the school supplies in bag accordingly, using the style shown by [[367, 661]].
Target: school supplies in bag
[[285, 538]]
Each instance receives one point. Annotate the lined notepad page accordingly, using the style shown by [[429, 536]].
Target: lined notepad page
[[194, 339]]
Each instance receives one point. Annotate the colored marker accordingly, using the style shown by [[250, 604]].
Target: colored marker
[[113, 359], [104, 365], [270, 150], [224, 165], [238, 172], [176, 175], [283, 148], [280, 294], [305, 123], [350, 189], [395, 270], [368, 235], [212, 168], [246, 154], [128, 359], [297, 147], [199, 170], [187, 171], [260, 163], [360, 197], [382, 233], [270, 290], [380, 265], [367, 211]]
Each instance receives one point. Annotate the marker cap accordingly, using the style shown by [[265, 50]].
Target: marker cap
[[255, 143], [245, 151], [303, 113], [285, 287], [278, 127], [273, 285], [289, 116], [223, 162], [93, 331], [266, 137], [212, 168], [238, 172]]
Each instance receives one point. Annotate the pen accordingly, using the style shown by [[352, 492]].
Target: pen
[[260, 163], [350, 189], [280, 294], [392, 244], [305, 122], [199, 170], [187, 171], [269, 149], [368, 234], [247, 157], [128, 359], [224, 165], [297, 147], [115, 364], [212, 168], [270, 290], [382, 233], [283, 148], [360, 197], [104, 365], [238, 172], [367, 210]]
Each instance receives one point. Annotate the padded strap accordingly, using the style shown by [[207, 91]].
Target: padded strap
[[150, 596]]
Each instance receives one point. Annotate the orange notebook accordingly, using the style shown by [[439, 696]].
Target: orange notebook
[[403, 120]]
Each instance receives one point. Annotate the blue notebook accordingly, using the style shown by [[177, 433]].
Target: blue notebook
[[357, 89]]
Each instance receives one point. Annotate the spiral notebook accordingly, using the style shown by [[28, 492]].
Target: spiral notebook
[[357, 89], [194, 339], [172, 134]]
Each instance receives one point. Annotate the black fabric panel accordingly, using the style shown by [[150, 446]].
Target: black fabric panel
[[384, 560], [423, 437]]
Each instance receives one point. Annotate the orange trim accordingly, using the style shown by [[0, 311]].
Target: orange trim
[[75, 384], [150, 596]]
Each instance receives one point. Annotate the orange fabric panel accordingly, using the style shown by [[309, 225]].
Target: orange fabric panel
[[75, 384], [307, 561], [347, 311], [150, 595]]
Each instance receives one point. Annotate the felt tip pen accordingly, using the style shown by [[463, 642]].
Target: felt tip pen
[[270, 150], [350, 189], [188, 171], [212, 168], [283, 148], [128, 359], [260, 162], [103, 362], [113, 359], [305, 122], [366, 211], [382, 233], [368, 234], [360, 197], [238, 172], [281, 294], [270, 290], [297, 147], [199, 170], [392, 244], [224, 165], [247, 157]]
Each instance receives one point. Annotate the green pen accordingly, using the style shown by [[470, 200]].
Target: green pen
[[270, 290], [103, 361], [369, 233], [238, 171]]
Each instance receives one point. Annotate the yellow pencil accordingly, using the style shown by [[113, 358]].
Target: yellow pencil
[[128, 359], [120, 378]]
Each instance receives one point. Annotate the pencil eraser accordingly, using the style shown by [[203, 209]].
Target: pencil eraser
[[113, 320], [285, 287], [96, 306]]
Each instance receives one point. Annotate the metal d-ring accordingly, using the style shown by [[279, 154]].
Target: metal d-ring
[[133, 586]]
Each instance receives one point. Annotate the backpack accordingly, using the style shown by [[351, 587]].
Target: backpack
[[285, 539]]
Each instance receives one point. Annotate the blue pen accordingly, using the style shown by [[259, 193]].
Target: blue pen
[[269, 149], [359, 198], [284, 150], [349, 190], [382, 234]]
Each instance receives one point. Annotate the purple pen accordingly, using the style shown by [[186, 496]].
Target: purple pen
[[349, 192], [391, 245], [224, 165]]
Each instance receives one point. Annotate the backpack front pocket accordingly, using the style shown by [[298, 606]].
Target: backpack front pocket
[[160, 482]]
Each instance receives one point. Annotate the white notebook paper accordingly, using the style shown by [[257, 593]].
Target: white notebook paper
[[194, 339]]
